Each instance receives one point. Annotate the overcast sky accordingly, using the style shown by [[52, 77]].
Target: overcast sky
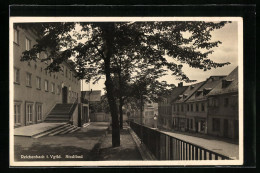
[[226, 52]]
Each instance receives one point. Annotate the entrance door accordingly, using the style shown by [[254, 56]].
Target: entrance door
[[196, 126], [64, 95], [225, 128]]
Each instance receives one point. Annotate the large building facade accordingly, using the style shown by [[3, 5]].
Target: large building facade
[[36, 90]]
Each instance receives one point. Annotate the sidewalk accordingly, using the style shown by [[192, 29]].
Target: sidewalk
[[126, 151]]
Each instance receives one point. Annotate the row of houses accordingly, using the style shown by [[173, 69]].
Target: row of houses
[[208, 107]]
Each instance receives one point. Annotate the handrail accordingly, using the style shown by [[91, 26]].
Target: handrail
[[74, 103], [185, 150]]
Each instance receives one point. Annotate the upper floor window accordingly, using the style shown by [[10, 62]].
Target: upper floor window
[[58, 89], [38, 82], [188, 107], [226, 102], [197, 107], [202, 107], [66, 73], [46, 85], [27, 44], [28, 79], [62, 70], [16, 75], [16, 36], [52, 87]]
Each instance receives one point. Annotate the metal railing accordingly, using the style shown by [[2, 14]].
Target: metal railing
[[165, 147]]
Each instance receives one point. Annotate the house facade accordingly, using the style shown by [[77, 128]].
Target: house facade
[[36, 90], [223, 107], [180, 109], [197, 106], [165, 107]]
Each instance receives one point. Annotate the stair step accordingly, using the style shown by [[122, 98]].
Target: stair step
[[59, 131], [49, 131], [74, 130], [66, 131]]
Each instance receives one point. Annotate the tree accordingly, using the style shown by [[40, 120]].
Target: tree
[[142, 43]]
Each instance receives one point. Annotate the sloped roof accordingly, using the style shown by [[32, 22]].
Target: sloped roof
[[209, 85], [189, 91], [232, 87], [92, 96], [176, 92]]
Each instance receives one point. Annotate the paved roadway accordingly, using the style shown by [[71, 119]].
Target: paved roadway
[[78, 143], [222, 147]]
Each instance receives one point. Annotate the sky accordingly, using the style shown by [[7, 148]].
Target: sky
[[225, 52]]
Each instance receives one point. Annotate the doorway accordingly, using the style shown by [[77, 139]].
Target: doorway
[[225, 128], [65, 94]]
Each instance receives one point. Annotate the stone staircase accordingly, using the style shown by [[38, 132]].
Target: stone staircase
[[60, 113], [60, 130]]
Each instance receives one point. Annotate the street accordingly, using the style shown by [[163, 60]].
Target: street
[[210, 143]]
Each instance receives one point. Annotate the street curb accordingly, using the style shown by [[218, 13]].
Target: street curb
[[143, 150]]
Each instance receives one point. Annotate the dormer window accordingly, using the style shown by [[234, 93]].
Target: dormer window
[[180, 96], [198, 93], [185, 96], [206, 91], [191, 87], [226, 82]]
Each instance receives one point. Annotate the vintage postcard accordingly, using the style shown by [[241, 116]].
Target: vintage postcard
[[126, 91]]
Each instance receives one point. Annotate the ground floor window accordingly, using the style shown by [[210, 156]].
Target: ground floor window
[[29, 112], [17, 113], [39, 112], [216, 124]]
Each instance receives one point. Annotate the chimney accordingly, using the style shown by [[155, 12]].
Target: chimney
[[180, 84]]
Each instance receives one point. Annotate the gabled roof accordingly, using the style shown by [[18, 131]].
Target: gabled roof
[[189, 91], [176, 92], [92, 96], [230, 88], [204, 89]]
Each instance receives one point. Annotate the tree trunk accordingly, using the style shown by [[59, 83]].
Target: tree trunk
[[108, 31], [121, 111]]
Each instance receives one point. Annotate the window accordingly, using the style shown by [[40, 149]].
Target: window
[[202, 107], [202, 125], [62, 70], [191, 107], [17, 113], [27, 44], [70, 75], [28, 79], [38, 55], [216, 124], [188, 107], [226, 102], [39, 112], [46, 85], [16, 75], [197, 107], [182, 108], [52, 87], [38, 82], [58, 89], [191, 123], [66, 74], [29, 112], [16, 36]]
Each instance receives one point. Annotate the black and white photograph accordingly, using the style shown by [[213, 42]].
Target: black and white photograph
[[126, 91]]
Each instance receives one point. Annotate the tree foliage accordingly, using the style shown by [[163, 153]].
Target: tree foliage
[[139, 51]]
